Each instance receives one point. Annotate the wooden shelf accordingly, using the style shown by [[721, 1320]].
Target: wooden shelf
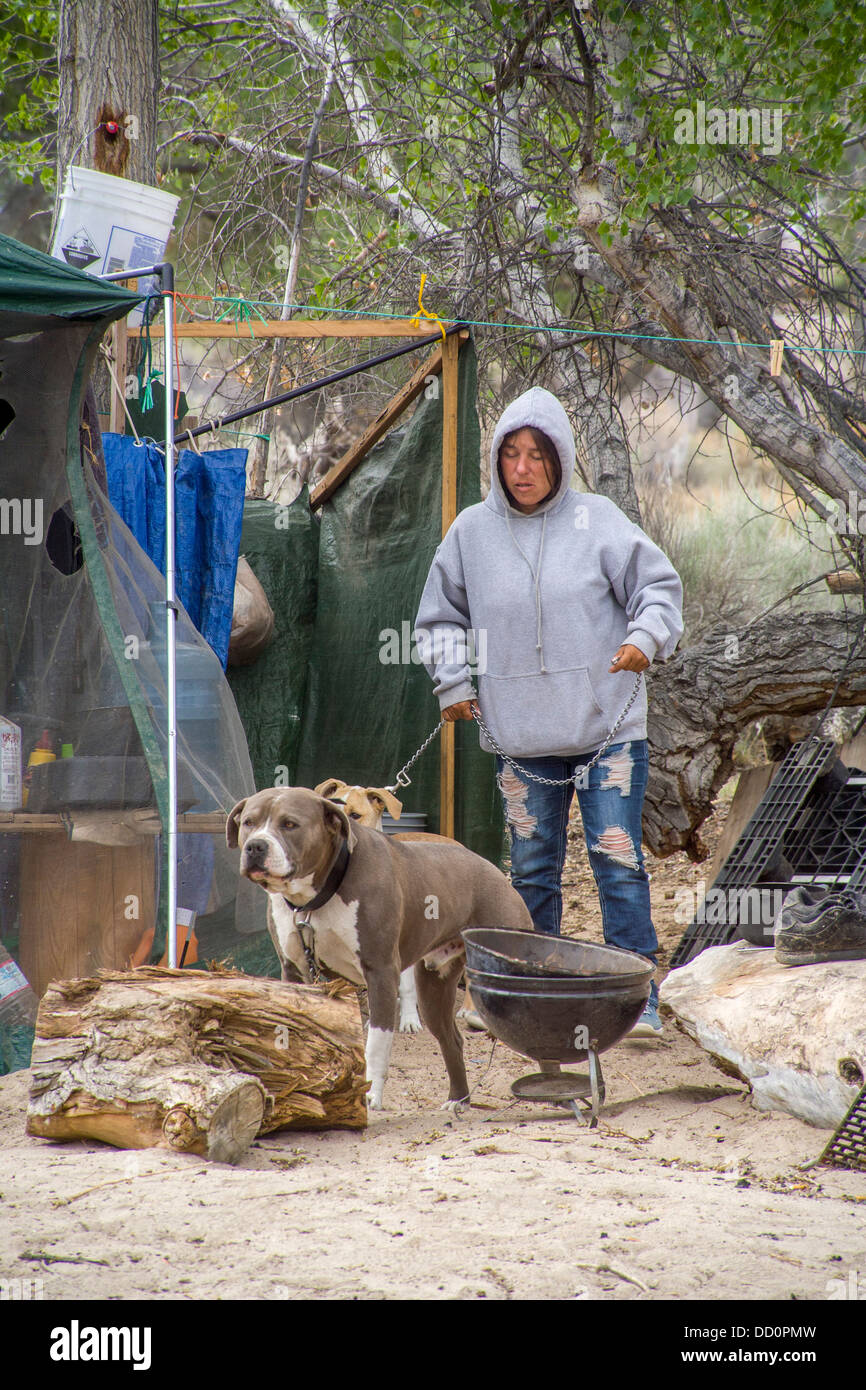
[[50, 822]]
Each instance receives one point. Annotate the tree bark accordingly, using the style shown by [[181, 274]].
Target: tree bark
[[600, 429], [108, 61], [109, 71], [702, 698], [193, 1061]]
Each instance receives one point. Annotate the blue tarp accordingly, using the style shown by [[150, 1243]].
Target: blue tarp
[[209, 501]]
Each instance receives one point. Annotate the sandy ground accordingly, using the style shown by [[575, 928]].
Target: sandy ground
[[683, 1191]]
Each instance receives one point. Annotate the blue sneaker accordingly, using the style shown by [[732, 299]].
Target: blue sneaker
[[649, 1025]]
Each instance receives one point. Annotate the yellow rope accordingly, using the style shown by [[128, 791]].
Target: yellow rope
[[434, 318]]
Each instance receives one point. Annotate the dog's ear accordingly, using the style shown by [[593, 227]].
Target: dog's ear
[[328, 788], [386, 801], [338, 822], [233, 823]]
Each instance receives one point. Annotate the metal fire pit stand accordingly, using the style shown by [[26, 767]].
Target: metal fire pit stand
[[565, 1088]]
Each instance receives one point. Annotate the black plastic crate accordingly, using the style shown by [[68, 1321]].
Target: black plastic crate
[[767, 854]]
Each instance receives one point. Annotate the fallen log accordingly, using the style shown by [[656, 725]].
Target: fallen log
[[702, 698], [796, 1034], [200, 1062]]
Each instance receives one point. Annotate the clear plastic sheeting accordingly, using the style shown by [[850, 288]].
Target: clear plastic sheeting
[[83, 677], [214, 768]]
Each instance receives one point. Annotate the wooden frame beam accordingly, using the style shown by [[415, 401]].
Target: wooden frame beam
[[147, 823], [379, 427], [291, 328], [443, 360], [119, 335]]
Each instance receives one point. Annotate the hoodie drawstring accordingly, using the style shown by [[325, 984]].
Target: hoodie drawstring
[[536, 575]]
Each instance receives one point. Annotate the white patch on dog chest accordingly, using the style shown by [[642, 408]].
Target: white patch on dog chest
[[284, 922], [335, 934]]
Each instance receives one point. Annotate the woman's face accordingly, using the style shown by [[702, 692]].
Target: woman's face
[[525, 471]]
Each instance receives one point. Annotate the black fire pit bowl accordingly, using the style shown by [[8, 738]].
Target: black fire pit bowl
[[501, 951], [538, 1017]]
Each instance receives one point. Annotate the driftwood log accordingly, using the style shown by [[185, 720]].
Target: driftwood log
[[703, 697], [194, 1061]]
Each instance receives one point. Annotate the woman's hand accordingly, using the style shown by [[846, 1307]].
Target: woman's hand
[[629, 658], [462, 710]]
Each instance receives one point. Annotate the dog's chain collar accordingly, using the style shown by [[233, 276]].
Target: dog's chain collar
[[335, 876], [309, 951]]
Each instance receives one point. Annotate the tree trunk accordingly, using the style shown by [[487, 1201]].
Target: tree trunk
[[109, 71], [195, 1062], [701, 699], [108, 60]]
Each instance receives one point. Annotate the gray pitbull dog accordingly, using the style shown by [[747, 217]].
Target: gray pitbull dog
[[398, 904]]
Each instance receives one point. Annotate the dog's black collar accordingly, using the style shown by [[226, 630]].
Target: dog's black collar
[[336, 874]]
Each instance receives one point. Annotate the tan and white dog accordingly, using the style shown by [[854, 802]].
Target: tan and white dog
[[392, 905]]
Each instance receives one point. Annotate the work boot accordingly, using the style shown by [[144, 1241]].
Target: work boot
[[816, 925]]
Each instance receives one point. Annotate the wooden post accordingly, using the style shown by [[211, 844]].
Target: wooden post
[[119, 337], [117, 415], [450, 351]]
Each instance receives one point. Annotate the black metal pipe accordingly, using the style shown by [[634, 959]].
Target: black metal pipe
[[315, 385]]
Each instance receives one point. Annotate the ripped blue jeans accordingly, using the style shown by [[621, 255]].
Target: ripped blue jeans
[[611, 804]]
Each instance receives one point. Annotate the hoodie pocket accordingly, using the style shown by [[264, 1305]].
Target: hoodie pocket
[[545, 712]]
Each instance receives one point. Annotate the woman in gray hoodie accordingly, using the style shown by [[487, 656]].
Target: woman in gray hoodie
[[560, 594]]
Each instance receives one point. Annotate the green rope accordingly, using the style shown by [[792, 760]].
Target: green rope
[[147, 393], [145, 388], [240, 309], [587, 332]]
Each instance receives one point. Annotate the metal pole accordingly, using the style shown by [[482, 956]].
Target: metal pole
[[167, 289], [140, 272]]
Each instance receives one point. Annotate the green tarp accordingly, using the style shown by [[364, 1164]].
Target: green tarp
[[281, 545], [39, 286], [341, 692]]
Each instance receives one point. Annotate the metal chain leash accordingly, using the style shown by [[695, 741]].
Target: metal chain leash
[[403, 781], [579, 773]]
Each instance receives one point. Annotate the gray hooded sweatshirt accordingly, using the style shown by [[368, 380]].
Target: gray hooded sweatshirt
[[545, 600]]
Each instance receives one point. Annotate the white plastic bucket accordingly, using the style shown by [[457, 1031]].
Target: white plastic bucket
[[108, 224]]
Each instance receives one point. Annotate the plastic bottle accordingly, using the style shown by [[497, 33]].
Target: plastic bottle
[[10, 766], [18, 1005]]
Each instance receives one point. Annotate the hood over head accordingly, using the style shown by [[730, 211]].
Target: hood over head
[[540, 410]]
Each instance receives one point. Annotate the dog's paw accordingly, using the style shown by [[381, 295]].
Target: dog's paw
[[457, 1107], [374, 1101], [411, 1023]]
